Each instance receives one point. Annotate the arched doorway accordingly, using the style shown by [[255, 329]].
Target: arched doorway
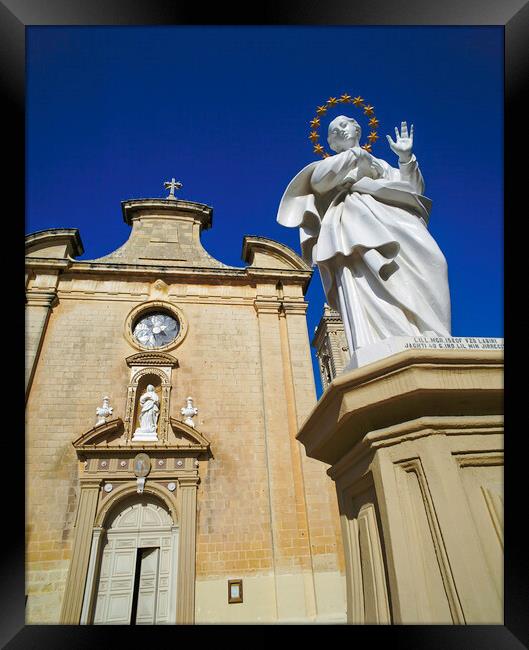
[[108, 486], [136, 581]]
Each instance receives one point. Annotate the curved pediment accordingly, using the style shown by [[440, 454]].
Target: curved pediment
[[187, 437], [110, 435], [104, 435], [57, 243], [261, 252]]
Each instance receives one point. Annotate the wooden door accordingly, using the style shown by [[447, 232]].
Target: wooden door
[[148, 584], [139, 541], [116, 581]]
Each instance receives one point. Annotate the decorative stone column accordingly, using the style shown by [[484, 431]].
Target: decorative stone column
[[75, 584], [415, 441], [185, 612]]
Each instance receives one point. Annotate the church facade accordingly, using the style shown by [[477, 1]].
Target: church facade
[[186, 498]]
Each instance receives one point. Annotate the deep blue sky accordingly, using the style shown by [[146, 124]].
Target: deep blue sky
[[113, 112]]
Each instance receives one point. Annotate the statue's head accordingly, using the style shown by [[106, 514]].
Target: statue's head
[[344, 133], [150, 388]]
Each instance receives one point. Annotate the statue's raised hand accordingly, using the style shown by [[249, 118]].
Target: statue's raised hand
[[403, 146]]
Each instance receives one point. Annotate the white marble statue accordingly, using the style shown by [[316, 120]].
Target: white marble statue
[[103, 412], [189, 411], [364, 223], [150, 409]]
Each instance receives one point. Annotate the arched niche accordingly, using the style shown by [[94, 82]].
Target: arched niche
[[137, 386], [148, 379]]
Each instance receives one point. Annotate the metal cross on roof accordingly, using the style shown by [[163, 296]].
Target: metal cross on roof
[[172, 185]]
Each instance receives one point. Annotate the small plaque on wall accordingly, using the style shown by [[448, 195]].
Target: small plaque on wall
[[234, 591]]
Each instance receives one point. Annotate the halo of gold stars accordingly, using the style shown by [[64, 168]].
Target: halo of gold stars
[[359, 102]]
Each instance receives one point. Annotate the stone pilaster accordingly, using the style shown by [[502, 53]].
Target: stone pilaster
[[320, 503], [75, 584], [287, 509], [98, 535], [297, 311], [39, 305], [48, 254], [273, 409], [185, 606]]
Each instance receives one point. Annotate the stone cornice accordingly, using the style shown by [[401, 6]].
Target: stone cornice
[[294, 307], [41, 298], [273, 275], [276, 306], [90, 482], [159, 270], [152, 359], [47, 264], [179, 209], [403, 387], [421, 427], [188, 481], [54, 236], [267, 306], [330, 320], [298, 273], [203, 273]]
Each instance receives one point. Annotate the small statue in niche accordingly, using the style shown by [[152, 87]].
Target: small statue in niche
[[150, 410], [189, 411], [103, 412]]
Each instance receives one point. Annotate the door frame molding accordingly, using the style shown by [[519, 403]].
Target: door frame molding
[[100, 535]]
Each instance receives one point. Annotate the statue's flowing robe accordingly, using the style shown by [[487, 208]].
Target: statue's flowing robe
[[149, 412], [379, 265]]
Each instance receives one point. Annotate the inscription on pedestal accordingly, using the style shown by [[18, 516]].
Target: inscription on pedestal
[[393, 345], [453, 343]]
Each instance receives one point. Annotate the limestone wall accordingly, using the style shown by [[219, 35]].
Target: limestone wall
[[266, 513]]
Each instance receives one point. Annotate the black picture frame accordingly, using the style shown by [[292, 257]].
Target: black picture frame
[[513, 15]]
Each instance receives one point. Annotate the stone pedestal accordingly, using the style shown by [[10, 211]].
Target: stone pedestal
[[395, 344], [144, 436], [415, 444]]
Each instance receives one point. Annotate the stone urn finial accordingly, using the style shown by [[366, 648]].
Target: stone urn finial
[[189, 411], [103, 412]]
